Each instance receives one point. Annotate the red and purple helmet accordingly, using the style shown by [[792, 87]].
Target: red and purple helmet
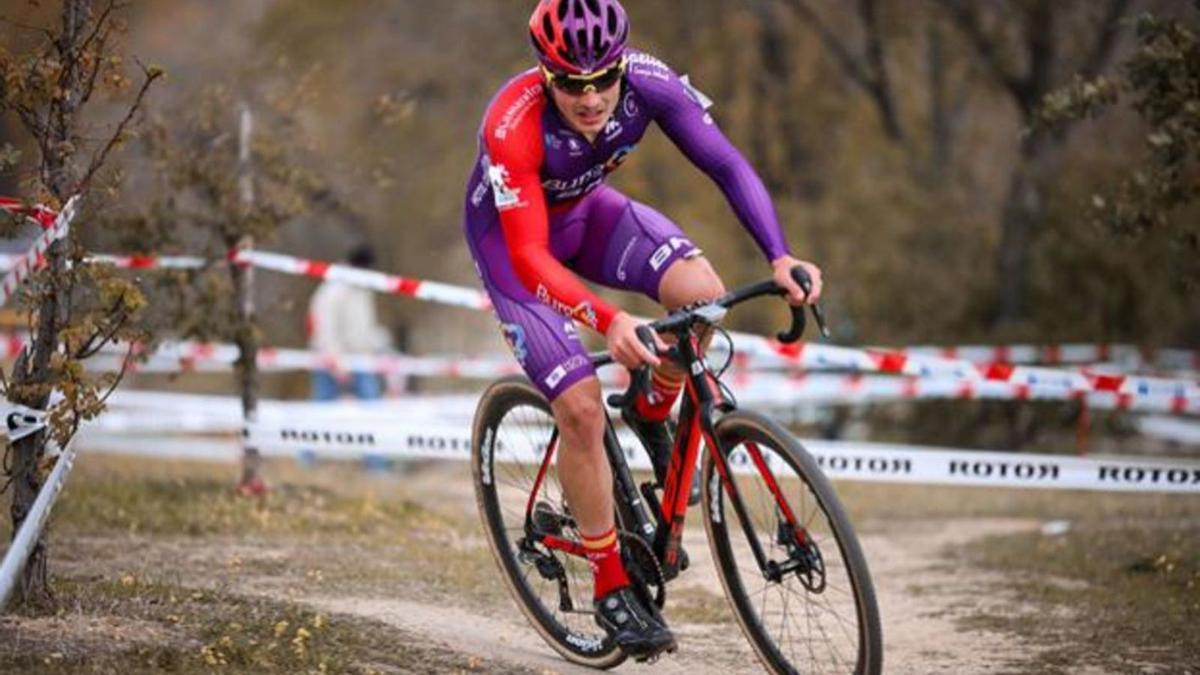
[[579, 37]]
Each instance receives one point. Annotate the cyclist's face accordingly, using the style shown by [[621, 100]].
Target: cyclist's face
[[588, 112]]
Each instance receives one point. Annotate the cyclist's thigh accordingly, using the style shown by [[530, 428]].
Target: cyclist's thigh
[[545, 343], [629, 245]]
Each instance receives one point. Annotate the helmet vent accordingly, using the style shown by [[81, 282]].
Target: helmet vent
[[612, 19], [579, 11], [593, 6], [597, 46], [581, 41], [562, 10], [547, 28]]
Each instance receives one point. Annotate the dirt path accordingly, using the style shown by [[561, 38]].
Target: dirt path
[[923, 594], [427, 583]]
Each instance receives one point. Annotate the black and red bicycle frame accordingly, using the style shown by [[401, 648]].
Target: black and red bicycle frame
[[664, 533]]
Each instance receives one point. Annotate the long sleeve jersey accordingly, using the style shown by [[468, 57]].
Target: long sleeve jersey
[[532, 162]]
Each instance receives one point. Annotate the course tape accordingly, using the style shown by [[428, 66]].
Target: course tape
[[35, 257], [805, 354], [811, 356], [385, 283], [844, 460]]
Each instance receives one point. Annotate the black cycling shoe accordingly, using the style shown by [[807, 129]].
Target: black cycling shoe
[[658, 439], [639, 632]]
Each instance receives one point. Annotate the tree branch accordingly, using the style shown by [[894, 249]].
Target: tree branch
[[151, 74], [849, 63], [963, 14], [100, 22], [881, 89], [1102, 50]]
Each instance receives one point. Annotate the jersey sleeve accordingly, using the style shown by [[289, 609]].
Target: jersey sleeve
[[682, 113], [514, 162]]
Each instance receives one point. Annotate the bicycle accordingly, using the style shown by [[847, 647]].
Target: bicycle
[[786, 554]]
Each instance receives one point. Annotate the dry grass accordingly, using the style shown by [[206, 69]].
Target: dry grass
[[151, 561]]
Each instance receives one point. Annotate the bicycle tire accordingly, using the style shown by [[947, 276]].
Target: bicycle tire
[[845, 580], [511, 420]]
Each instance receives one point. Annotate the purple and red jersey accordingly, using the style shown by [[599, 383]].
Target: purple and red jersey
[[538, 215], [532, 163]]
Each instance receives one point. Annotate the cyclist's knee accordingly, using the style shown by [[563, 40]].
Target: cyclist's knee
[[579, 413], [689, 280]]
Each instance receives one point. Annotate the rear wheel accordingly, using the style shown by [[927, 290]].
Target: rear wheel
[[813, 609], [512, 431]]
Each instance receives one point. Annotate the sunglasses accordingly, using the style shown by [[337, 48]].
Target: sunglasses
[[578, 85]]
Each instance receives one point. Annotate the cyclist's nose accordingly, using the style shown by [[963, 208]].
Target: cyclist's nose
[[591, 100]]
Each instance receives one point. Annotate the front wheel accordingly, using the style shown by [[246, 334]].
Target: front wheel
[[811, 607]]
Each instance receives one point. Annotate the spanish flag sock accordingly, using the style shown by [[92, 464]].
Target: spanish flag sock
[[604, 555], [656, 406]]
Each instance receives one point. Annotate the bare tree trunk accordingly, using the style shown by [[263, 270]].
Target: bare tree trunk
[[247, 337], [31, 373], [247, 368]]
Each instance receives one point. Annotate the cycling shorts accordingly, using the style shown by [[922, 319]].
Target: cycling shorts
[[606, 238]]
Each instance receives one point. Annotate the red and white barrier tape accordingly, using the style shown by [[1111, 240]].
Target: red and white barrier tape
[[129, 262], [807, 355], [34, 258], [433, 291], [1124, 355], [810, 354], [38, 213], [772, 390]]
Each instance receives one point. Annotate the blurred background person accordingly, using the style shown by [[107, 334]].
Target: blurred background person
[[342, 322]]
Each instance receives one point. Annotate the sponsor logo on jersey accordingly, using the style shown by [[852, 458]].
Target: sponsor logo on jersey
[[555, 377], [514, 334], [629, 105], [506, 197], [571, 331], [479, 193], [695, 94], [612, 129], [618, 158], [663, 252], [583, 312], [515, 112], [625, 256], [647, 66], [572, 364]]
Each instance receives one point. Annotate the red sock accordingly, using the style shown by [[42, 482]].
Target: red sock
[[604, 556], [656, 406]]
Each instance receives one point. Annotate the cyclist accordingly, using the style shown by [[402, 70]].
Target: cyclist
[[538, 214]]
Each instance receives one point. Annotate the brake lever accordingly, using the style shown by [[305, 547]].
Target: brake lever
[[799, 319], [640, 376]]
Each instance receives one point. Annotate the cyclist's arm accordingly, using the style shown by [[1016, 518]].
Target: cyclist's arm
[[682, 114], [517, 188]]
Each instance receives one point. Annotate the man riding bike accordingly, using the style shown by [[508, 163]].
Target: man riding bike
[[538, 213]]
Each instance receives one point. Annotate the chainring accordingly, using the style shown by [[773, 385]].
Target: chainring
[[644, 570]]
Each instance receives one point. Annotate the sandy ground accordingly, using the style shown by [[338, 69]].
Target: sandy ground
[[922, 594], [927, 594]]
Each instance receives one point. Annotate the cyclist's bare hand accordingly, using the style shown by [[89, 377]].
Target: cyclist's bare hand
[[624, 345], [782, 273]]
